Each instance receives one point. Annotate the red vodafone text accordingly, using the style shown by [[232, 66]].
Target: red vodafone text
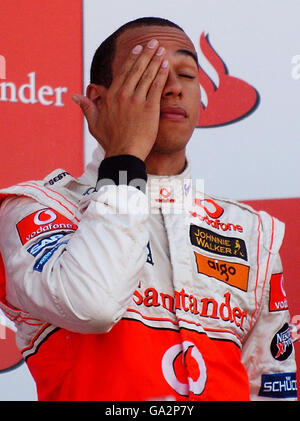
[[42, 221], [214, 211]]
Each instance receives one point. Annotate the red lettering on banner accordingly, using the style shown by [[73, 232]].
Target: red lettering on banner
[[42, 221], [36, 108]]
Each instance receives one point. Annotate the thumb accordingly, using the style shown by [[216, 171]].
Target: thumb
[[89, 109]]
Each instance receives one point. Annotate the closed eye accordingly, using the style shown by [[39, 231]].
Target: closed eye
[[186, 76]]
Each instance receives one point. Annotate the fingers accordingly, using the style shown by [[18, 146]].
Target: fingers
[[121, 76], [154, 73], [139, 69], [145, 67], [158, 84]]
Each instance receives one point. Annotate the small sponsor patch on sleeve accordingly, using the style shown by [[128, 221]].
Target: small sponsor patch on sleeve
[[278, 385], [278, 300], [45, 242], [282, 344], [39, 265], [41, 222]]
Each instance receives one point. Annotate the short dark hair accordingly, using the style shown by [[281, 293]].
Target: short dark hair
[[101, 68]]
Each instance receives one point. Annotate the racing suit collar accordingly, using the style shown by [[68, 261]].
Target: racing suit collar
[[163, 191], [90, 175], [169, 192]]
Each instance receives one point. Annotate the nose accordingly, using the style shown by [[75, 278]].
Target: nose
[[172, 87]]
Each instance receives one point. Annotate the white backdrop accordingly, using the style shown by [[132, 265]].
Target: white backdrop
[[256, 157]]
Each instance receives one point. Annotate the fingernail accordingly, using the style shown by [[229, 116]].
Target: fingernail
[[160, 51], [165, 64], [152, 44], [137, 49]]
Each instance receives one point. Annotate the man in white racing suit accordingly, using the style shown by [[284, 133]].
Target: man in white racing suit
[[128, 283]]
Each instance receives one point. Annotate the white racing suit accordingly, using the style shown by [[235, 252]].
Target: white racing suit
[[122, 295]]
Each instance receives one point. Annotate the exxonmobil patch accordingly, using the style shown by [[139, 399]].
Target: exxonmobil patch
[[41, 222], [233, 98]]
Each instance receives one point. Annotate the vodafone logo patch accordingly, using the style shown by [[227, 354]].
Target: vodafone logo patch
[[41, 222], [172, 367], [231, 100], [210, 207], [278, 299], [47, 215]]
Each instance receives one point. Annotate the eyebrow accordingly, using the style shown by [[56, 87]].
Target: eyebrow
[[188, 53]]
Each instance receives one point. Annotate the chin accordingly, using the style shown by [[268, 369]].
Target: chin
[[168, 146]]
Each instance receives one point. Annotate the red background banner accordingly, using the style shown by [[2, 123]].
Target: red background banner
[[41, 128]]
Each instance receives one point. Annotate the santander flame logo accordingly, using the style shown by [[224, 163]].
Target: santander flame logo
[[233, 98]]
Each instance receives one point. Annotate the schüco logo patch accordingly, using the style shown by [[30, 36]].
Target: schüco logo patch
[[234, 274], [218, 244]]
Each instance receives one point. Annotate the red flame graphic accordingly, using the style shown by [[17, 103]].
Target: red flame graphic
[[231, 100]]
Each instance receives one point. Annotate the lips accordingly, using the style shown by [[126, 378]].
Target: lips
[[173, 113]]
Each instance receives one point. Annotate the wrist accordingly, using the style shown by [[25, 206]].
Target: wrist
[[122, 169], [126, 151]]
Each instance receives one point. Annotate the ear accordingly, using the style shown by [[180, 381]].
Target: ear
[[96, 93]]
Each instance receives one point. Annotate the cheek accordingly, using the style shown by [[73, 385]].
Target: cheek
[[194, 99]]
